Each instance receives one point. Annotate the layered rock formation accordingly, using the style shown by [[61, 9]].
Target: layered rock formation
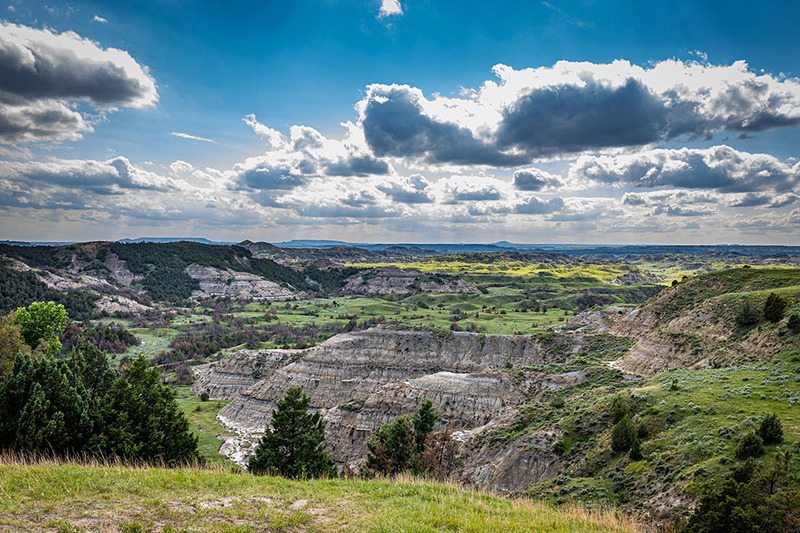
[[240, 285], [363, 379], [227, 378], [394, 280]]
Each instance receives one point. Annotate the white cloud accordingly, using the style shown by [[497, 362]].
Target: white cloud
[[98, 18], [44, 75], [572, 108], [390, 8], [192, 137], [720, 168]]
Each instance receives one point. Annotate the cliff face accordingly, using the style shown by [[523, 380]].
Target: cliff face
[[241, 285], [354, 365], [361, 380], [394, 280], [226, 379]]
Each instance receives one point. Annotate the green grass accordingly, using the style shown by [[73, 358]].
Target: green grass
[[71, 497], [692, 433], [203, 423]]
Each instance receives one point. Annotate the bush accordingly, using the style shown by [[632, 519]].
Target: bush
[[794, 323], [204, 397], [771, 430], [751, 445], [623, 435], [774, 307], [748, 314], [635, 453]]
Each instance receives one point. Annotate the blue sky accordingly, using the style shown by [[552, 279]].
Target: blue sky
[[672, 122]]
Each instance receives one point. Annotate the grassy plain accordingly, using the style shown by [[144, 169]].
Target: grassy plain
[[70, 498]]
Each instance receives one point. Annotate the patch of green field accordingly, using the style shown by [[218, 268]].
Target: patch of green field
[[69, 497], [203, 423], [151, 341]]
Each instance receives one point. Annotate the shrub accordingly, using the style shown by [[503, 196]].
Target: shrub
[[774, 307], [204, 397], [771, 430], [623, 435], [748, 314], [751, 445], [794, 323]]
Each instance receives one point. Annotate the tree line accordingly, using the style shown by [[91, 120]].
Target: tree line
[[75, 404]]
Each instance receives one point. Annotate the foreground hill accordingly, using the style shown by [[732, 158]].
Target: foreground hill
[[71, 498]]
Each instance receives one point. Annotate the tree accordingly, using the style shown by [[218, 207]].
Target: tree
[[11, 344], [391, 449], [771, 430], [623, 435], [44, 408], [410, 444], [750, 445], [40, 323], [774, 307], [748, 314], [140, 419], [752, 499], [423, 423], [794, 323], [293, 446]]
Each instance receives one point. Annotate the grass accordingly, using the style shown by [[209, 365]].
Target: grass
[[203, 424], [65, 497]]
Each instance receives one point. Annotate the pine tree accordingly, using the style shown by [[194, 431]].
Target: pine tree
[[293, 446], [771, 430], [774, 307], [623, 435]]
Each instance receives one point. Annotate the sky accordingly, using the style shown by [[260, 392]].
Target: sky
[[587, 121]]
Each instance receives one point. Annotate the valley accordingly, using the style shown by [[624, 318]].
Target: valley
[[531, 359]]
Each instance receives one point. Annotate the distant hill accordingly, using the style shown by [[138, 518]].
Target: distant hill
[[173, 239]]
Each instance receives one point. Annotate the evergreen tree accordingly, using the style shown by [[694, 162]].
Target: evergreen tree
[[771, 430], [293, 446], [141, 420], [774, 307], [409, 444], [623, 435], [751, 445], [391, 449], [44, 408], [423, 423]]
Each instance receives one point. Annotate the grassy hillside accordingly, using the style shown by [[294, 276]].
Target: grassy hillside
[[692, 421], [72, 498]]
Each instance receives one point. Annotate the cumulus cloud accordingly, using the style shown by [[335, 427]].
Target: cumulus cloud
[[112, 177], [751, 200], [410, 190], [43, 75], [537, 206], [575, 107], [534, 179], [98, 18], [390, 8], [720, 168], [783, 201], [290, 161]]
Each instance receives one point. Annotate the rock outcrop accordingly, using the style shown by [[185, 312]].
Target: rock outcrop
[[360, 380], [227, 378], [394, 280], [241, 285]]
